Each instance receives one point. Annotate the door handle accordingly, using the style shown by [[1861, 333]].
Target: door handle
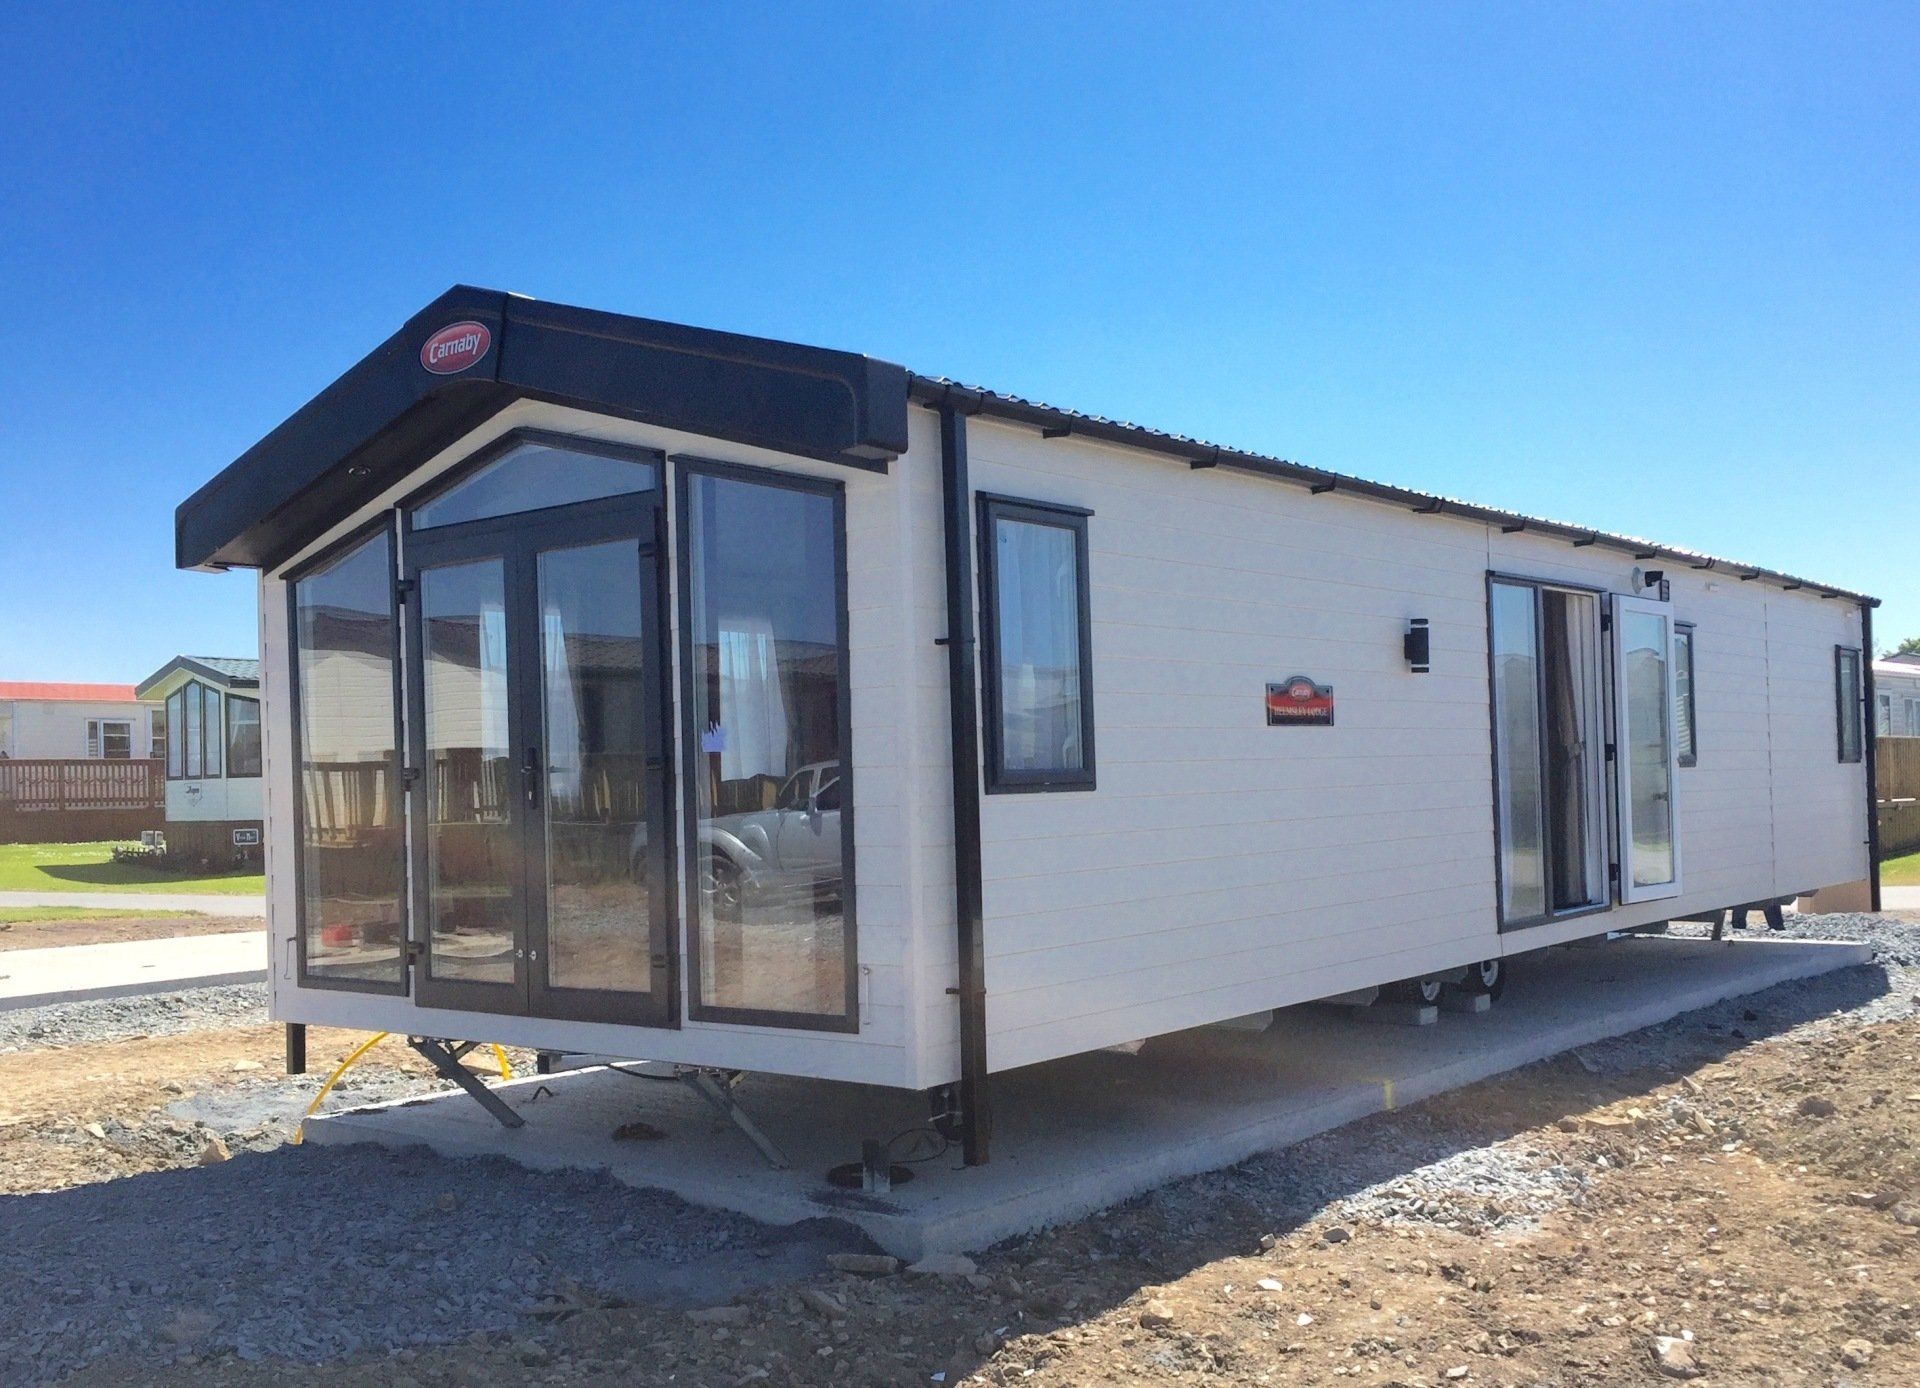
[[530, 771]]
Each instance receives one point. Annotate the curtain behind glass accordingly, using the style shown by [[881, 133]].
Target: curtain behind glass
[[1037, 606]]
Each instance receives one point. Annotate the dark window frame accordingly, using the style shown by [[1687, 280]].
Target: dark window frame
[[1689, 755], [260, 752], [1846, 719], [1601, 711], [487, 453], [177, 736], [290, 580], [994, 508], [193, 713], [685, 468]]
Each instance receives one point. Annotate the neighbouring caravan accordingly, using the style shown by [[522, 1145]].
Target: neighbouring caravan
[[213, 756], [645, 691]]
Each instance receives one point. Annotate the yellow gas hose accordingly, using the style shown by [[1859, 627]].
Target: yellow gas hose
[[299, 1133]]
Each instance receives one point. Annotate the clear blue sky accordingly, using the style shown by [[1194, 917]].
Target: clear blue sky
[[1648, 267]]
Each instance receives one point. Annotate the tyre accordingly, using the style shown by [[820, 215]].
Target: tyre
[[723, 886], [1421, 992], [1489, 976]]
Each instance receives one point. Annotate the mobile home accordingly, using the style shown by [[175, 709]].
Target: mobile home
[[213, 757], [655, 692]]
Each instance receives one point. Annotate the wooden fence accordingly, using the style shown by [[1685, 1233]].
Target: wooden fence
[[1897, 776], [67, 800]]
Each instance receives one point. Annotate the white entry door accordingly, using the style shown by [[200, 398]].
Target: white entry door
[[1647, 783]]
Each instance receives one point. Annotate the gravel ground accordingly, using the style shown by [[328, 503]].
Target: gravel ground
[[122, 1019], [311, 1253], [314, 1253]]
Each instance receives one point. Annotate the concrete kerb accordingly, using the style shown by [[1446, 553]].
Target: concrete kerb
[[1077, 1135]]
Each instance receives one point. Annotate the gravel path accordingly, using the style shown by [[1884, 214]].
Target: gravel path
[[309, 1253], [121, 1019]]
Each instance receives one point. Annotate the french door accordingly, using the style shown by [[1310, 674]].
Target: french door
[[1645, 749], [537, 731]]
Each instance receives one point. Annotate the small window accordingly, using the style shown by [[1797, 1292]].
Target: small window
[[1038, 674], [177, 734], [211, 739], [157, 733], [243, 736], [1912, 711], [1846, 667], [1683, 700], [109, 739], [531, 476], [1883, 715]]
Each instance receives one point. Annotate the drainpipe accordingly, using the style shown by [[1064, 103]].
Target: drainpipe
[[1869, 742], [976, 1119]]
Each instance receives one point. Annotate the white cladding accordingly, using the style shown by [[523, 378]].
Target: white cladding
[[58, 727], [1221, 866]]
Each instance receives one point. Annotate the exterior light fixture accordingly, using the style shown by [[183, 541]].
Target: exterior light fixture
[[1417, 645]]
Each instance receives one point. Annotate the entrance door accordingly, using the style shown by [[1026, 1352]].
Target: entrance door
[[538, 730], [1644, 761]]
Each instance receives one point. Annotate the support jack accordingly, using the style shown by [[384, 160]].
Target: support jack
[[716, 1087], [445, 1058]]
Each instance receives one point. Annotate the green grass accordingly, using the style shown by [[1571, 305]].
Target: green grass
[[89, 867], [1901, 872], [26, 915]]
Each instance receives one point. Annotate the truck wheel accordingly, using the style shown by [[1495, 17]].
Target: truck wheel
[[1489, 976], [1421, 992]]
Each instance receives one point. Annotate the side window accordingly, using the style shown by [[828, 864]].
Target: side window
[[176, 734], [1846, 673], [210, 733], [1037, 668], [243, 736], [1684, 728]]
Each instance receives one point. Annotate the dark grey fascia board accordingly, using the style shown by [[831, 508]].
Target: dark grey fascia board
[[372, 426]]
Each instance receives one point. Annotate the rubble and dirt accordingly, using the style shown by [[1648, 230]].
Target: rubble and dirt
[[106, 928], [1662, 1207]]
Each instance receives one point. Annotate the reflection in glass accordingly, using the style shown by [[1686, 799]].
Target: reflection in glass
[[472, 839], [529, 477], [1516, 711], [353, 842], [1037, 607], [1644, 652], [1573, 754], [768, 685], [593, 712], [243, 736]]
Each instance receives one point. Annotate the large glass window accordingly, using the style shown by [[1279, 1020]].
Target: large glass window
[[1547, 749], [1846, 669], [1037, 677], [243, 736], [763, 595], [352, 845], [529, 476], [177, 734], [193, 719]]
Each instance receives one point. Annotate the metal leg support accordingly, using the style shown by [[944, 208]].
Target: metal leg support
[[296, 1048], [719, 1093], [445, 1059]]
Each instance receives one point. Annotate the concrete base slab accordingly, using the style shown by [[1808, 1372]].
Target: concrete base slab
[[1073, 1136], [76, 973]]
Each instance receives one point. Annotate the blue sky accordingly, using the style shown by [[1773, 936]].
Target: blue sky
[[1654, 268]]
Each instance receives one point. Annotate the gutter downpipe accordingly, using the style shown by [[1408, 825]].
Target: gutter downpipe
[[963, 703], [1869, 717]]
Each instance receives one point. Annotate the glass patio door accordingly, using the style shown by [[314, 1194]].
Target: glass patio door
[[540, 797], [1644, 758]]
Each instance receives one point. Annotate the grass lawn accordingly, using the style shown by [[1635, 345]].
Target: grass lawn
[[1901, 872], [89, 867], [26, 915]]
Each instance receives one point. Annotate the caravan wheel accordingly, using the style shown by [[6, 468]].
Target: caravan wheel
[[1421, 992], [1489, 976]]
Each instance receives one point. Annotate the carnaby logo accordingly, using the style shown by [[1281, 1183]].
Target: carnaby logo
[[455, 347], [1299, 700]]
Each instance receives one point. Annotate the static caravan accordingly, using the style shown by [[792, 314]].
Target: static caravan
[[213, 756], [645, 691]]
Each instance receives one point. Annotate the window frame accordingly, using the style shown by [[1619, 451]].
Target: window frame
[[1688, 755], [1599, 694], [159, 742], [488, 453], [97, 738], [226, 719], [1849, 720], [389, 523], [685, 468], [999, 780], [193, 696]]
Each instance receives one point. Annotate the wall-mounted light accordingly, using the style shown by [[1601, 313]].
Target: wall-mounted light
[[1418, 645]]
